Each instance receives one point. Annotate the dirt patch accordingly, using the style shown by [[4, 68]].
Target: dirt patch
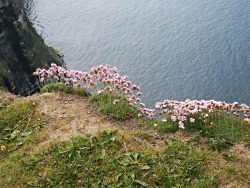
[[241, 151], [70, 115], [7, 96]]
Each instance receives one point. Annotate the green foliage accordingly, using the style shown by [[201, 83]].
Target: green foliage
[[162, 127], [15, 114], [100, 161], [121, 111], [220, 132], [223, 132], [16, 123], [65, 88], [3, 104], [183, 163]]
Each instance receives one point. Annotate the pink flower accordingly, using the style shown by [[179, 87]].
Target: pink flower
[[130, 100], [211, 111], [142, 105], [115, 70], [117, 86], [128, 83], [157, 106], [127, 91], [134, 87], [247, 120], [182, 118], [115, 101], [91, 83], [139, 94], [133, 97], [164, 120], [192, 120], [181, 125], [42, 80], [53, 65], [173, 118], [107, 88], [139, 115]]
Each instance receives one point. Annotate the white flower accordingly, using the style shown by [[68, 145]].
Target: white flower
[[181, 125]]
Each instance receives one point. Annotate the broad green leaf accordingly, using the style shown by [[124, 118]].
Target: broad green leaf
[[145, 167], [19, 143], [141, 183], [150, 161], [24, 134]]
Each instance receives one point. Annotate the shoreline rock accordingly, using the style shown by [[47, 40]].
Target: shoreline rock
[[22, 50]]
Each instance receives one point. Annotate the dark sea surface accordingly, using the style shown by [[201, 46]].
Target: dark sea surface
[[172, 49]]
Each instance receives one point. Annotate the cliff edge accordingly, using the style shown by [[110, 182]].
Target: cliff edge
[[22, 50]]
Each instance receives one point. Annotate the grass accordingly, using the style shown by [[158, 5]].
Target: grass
[[17, 121], [101, 161], [219, 132], [64, 88], [222, 132], [121, 111]]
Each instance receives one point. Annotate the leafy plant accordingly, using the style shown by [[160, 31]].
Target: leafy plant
[[121, 111]]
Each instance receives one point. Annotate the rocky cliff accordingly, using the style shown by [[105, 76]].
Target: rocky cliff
[[22, 50]]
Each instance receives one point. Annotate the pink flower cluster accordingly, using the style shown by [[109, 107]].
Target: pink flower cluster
[[187, 110], [98, 80], [106, 79]]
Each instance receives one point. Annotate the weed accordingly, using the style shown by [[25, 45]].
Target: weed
[[65, 88], [228, 156], [120, 111]]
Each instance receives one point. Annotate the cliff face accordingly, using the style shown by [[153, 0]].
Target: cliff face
[[22, 50]]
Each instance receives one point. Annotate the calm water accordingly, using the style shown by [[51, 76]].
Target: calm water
[[173, 49]]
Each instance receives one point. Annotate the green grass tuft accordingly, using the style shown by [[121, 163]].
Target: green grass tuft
[[16, 123], [14, 114], [121, 111], [65, 88]]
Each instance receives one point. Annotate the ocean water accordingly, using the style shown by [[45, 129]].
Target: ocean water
[[172, 49]]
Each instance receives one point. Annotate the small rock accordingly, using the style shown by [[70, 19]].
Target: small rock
[[3, 148], [61, 116]]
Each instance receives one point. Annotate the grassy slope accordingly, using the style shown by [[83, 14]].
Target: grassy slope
[[202, 156]]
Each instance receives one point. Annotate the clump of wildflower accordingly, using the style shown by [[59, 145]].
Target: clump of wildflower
[[105, 78]]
